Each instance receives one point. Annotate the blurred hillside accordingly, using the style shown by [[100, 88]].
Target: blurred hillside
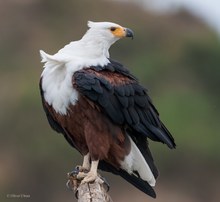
[[175, 56]]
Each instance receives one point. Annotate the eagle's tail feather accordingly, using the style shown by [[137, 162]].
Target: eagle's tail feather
[[135, 163], [131, 178]]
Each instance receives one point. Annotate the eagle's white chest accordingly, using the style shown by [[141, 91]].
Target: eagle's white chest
[[58, 89]]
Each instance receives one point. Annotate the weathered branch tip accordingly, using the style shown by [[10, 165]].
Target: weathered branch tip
[[89, 192]]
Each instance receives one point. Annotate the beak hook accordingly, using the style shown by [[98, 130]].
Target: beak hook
[[129, 33]]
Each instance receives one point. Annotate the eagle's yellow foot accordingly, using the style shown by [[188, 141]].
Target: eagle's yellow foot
[[81, 175], [90, 177]]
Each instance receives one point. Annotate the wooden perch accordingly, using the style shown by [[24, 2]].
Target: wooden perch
[[88, 192]]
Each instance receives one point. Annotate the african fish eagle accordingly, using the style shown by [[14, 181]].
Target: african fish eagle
[[101, 109]]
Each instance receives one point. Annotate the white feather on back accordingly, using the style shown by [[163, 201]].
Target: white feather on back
[[135, 161], [56, 84]]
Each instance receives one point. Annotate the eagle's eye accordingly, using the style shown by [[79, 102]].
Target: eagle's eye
[[113, 29]]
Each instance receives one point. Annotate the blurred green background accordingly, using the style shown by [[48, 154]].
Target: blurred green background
[[176, 56]]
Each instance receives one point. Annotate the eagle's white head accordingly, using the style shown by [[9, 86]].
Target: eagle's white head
[[101, 35], [107, 31]]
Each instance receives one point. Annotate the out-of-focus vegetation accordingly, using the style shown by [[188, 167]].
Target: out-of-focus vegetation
[[175, 56]]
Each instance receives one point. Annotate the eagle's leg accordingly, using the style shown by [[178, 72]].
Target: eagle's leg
[[86, 164], [92, 174]]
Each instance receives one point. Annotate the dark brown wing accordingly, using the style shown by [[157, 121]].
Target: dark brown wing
[[123, 100]]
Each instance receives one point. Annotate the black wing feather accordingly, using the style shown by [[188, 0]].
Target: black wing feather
[[123, 100]]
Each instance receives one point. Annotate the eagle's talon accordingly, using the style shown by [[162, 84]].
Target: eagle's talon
[[106, 183], [73, 173], [81, 169], [68, 185], [76, 194]]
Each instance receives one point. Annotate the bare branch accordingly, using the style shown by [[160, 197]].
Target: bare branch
[[89, 192]]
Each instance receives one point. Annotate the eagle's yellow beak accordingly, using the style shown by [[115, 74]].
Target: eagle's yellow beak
[[121, 32]]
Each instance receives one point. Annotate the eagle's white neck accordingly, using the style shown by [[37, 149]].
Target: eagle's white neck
[[97, 44]]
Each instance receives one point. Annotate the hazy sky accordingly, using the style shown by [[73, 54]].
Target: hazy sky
[[207, 10]]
